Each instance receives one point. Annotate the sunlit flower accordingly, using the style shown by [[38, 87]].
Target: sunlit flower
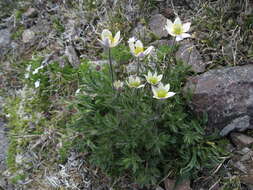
[[118, 84], [37, 84], [108, 40], [37, 69], [177, 29], [162, 92], [136, 48], [153, 79], [134, 82], [27, 75], [29, 68], [78, 91]]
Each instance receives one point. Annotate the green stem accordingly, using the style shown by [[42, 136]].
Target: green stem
[[111, 68], [138, 66]]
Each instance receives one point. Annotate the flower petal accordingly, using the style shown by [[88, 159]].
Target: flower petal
[[138, 44], [117, 37], [105, 34], [140, 55], [159, 77], [131, 40], [142, 85], [102, 42], [170, 94], [147, 51], [186, 26], [185, 35], [169, 30], [177, 21], [132, 47], [154, 90], [169, 24], [179, 38], [167, 87]]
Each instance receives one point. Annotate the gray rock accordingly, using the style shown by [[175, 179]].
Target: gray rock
[[159, 188], [241, 140], [226, 95], [31, 12], [3, 148], [188, 53], [28, 36], [238, 124], [170, 185], [73, 59], [5, 38], [5, 41], [141, 32], [156, 25]]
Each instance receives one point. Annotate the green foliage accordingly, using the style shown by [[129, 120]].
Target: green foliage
[[57, 25], [21, 119], [130, 132], [55, 80], [18, 32], [121, 54]]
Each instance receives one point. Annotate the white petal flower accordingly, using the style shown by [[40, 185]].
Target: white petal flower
[[162, 92], [27, 75], [131, 40], [28, 68], [177, 29], [137, 49], [37, 69], [78, 91], [37, 84], [118, 84], [134, 82], [108, 40], [153, 79]]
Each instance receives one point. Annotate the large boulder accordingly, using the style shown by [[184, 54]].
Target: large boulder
[[156, 24], [3, 152], [226, 95], [5, 41]]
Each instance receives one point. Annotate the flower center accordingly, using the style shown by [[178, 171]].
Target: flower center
[[177, 29], [134, 84], [138, 50], [162, 93], [153, 80], [110, 37]]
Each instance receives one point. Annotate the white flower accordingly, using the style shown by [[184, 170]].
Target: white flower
[[162, 92], [37, 84], [28, 68], [108, 40], [27, 75], [134, 82], [177, 29], [78, 91], [136, 48], [153, 79], [118, 84], [37, 69], [131, 40]]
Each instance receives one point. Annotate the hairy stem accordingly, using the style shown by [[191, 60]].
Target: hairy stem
[[111, 68], [138, 66]]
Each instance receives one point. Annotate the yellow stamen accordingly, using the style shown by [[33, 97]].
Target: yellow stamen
[[153, 80], [134, 84], [177, 29], [162, 93], [138, 50]]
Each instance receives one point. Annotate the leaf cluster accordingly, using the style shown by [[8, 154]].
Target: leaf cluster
[[130, 134]]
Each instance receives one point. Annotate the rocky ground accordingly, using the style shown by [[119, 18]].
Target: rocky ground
[[220, 53]]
